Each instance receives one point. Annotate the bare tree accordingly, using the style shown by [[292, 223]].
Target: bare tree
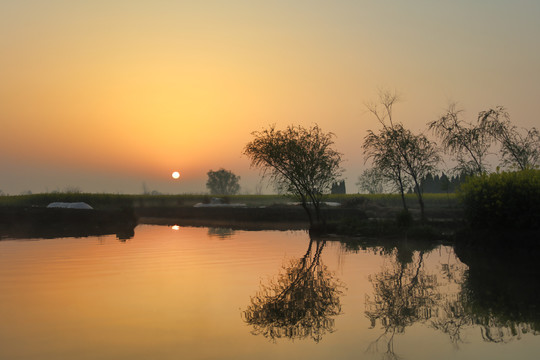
[[469, 143], [521, 151], [420, 157], [399, 154], [302, 162], [386, 161]]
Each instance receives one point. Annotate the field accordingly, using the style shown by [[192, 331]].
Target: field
[[378, 205]]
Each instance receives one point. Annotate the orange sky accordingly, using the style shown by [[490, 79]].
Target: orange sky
[[106, 95]]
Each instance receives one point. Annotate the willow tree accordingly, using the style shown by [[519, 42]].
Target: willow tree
[[519, 150], [300, 161], [469, 143]]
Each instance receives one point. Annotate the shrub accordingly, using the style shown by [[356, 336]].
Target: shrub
[[503, 200]]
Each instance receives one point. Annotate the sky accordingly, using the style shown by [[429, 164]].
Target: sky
[[105, 96]]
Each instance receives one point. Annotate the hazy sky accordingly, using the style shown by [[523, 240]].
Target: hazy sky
[[106, 95]]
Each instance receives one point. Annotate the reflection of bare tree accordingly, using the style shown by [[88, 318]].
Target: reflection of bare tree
[[494, 292], [300, 302], [453, 318], [403, 295]]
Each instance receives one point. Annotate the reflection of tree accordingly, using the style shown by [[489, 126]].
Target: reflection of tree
[[219, 232], [497, 323], [453, 318], [403, 295], [492, 289], [300, 302], [499, 292]]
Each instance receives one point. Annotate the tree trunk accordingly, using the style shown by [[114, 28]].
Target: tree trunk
[[402, 193], [310, 216], [420, 200]]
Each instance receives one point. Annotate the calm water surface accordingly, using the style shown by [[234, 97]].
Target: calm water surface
[[203, 293]]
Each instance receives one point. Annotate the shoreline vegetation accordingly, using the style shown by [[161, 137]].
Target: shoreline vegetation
[[351, 215], [499, 207]]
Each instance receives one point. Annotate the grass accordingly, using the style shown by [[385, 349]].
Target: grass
[[103, 200], [394, 200], [378, 220]]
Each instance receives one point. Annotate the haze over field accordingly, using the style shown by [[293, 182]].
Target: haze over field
[[106, 95]]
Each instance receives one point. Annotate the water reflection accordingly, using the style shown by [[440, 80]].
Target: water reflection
[[40, 229], [158, 293], [403, 294], [492, 290], [301, 302], [220, 232], [500, 289]]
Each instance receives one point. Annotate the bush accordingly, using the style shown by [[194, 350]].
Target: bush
[[508, 200]]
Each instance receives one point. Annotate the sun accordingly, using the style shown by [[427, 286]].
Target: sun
[[175, 175]]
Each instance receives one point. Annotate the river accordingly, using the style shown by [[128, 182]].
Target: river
[[172, 292]]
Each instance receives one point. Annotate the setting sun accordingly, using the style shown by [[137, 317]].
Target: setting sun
[[175, 175]]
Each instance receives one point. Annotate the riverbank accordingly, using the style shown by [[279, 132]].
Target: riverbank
[[42, 222], [351, 215]]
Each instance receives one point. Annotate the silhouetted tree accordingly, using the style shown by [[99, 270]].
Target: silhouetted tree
[[380, 149], [222, 182], [398, 153], [302, 162], [517, 150], [469, 143]]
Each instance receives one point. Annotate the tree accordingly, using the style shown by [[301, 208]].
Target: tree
[[420, 157], [517, 150], [338, 187], [222, 182], [469, 143], [302, 162], [397, 153], [371, 181], [386, 161]]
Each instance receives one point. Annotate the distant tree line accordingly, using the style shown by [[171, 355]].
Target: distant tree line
[[338, 187], [435, 184]]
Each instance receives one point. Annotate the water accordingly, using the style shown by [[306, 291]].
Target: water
[[207, 293]]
